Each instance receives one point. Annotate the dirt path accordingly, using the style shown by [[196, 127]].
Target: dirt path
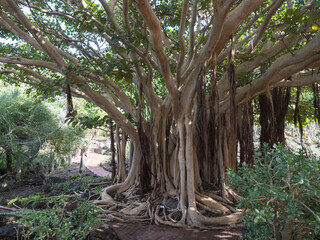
[[143, 231], [92, 163]]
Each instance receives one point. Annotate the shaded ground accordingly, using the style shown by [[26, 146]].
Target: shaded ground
[[27, 188], [125, 231], [142, 231]]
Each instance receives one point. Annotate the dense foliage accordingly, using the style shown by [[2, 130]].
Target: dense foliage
[[31, 132], [58, 223], [281, 194], [24, 127]]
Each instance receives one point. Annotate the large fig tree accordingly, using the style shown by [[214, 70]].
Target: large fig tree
[[173, 76]]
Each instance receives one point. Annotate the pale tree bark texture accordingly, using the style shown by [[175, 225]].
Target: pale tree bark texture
[[193, 104]]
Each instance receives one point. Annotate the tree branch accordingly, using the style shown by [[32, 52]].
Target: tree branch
[[10, 25], [155, 28], [181, 40], [284, 67], [262, 28], [30, 62], [36, 32], [300, 79]]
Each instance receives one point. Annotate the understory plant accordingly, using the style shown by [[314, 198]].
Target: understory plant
[[281, 194], [59, 223]]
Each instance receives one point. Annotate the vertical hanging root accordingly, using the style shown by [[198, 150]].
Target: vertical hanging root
[[297, 114], [196, 217], [70, 110], [153, 206]]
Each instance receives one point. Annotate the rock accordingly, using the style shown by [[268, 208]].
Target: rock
[[172, 203], [34, 181], [103, 234], [7, 183], [106, 148], [177, 215], [53, 180], [9, 229], [6, 219], [85, 195], [120, 197], [96, 150]]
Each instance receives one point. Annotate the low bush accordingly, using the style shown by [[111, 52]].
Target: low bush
[[60, 223], [281, 195]]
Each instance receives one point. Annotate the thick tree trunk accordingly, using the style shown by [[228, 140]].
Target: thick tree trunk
[[232, 135], [144, 170], [168, 160], [200, 120], [175, 174], [245, 133], [316, 101], [273, 110]]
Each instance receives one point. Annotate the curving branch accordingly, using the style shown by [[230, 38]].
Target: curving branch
[[266, 54], [191, 29], [155, 29], [37, 34], [299, 80], [182, 44], [284, 67], [109, 10], [49, 12], [262, 28], [228, 22], [110, 108], [11, 26], [30, 62]]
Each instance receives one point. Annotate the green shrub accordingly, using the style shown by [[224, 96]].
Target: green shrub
[[29, 198], [58, 224], [281, 195]]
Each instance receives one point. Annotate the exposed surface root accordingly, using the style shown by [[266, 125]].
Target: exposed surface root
[[213, 205], [211, 211]]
